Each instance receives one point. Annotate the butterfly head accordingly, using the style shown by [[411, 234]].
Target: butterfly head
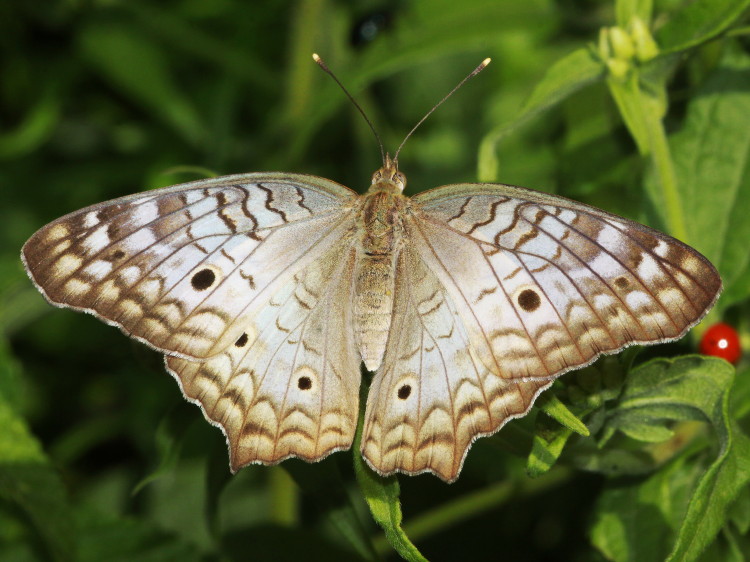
[[388, 177]]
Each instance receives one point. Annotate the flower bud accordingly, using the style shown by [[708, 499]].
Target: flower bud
[[645, 46]]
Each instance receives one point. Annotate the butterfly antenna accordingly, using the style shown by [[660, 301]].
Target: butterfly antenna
[[472, 74], [324, 66]]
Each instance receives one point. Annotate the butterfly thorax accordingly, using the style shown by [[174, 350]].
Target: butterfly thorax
[[380, 233]]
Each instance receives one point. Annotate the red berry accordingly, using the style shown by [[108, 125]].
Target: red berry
[[721, 340]]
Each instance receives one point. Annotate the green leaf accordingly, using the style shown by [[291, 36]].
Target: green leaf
[[687, 388], [548, 443], [554, 408], [633, 521], [610, 461], [138, 68], [739, 513], [472, 505], [323, 484], [35, 128], [444, 28], [647, 431], [551, 433], [711, 154], [106, 537], [699, 22], [26, 477], [168, 438], [197, 42], [568, 75], [717, 490], [637, 108], [217, 479], [663, 392]]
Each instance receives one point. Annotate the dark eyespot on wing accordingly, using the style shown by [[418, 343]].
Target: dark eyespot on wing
[[203, 279], [529, 300], [404, 392]]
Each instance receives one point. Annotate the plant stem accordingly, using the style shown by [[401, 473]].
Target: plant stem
[[662, 160], [283, 497], [642, 111], [473, 504]]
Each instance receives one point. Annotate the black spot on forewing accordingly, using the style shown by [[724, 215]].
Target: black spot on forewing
[[203, 279]]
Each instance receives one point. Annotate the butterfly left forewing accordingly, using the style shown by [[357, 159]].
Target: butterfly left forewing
[[180, 268], [432, 396], [292, 388]]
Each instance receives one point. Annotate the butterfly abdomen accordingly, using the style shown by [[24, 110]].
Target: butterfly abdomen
[[381, 237]]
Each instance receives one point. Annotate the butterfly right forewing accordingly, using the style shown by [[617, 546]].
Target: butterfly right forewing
[[545, 284]]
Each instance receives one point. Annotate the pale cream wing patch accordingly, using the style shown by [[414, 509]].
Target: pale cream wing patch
[[183, 268], [543, 284], [289, 385], [432, 397]]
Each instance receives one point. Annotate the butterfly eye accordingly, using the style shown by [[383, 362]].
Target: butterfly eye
[[400, 180], [203, 279], [529, 300]]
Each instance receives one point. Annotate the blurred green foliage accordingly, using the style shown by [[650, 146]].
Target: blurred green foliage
[[640, 108]]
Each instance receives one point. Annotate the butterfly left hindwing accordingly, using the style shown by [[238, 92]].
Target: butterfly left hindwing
[[289, 385]]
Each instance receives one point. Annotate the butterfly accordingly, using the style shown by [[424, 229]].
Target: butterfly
[[267, 291]]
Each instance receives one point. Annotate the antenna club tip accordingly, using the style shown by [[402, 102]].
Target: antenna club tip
[[316, 57], [485, 62]]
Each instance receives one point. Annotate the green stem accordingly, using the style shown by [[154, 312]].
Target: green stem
[[382, 497], [738, 31], [662, 160], [473, 504], [283, 497], [642, 111], [301, 69]]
